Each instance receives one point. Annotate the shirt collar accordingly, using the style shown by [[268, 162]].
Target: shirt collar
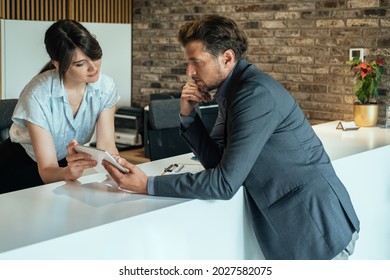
[[221, 91], [58, 85]]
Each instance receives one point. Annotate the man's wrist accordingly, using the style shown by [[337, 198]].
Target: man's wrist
[[191, 114]]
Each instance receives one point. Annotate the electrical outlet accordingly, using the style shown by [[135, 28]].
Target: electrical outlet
[[356, 52]]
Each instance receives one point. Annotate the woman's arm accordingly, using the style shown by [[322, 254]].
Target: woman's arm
[[45, 155], [105, 131]]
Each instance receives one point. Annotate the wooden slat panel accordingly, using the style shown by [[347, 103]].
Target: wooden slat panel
[[2, 4], [27, 10], [69, 9], [112, 11], [62, 9], [7, 9], [100, 10], [116, 10], [46, 9], [93, 12], [84, 11], [105, 11], [17, 9], [50, 10]]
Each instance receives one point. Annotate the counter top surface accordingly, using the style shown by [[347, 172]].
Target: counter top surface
[[63, 208], [339, 143], [70, 212]]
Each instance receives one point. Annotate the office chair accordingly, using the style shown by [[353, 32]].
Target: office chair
[[7, 107], [162, 137], [161, 125]]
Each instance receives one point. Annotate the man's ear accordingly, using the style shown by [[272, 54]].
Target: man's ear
[[56, 64], [229, 57]]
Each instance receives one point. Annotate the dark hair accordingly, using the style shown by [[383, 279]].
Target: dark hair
[[61, 40], [217, 33]]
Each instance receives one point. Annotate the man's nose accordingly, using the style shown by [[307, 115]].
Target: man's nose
[[190, 70]]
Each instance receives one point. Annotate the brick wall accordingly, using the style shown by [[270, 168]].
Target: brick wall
[[304, 44]]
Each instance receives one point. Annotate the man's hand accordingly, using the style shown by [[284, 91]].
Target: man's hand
[[135, 180], [190, 96]]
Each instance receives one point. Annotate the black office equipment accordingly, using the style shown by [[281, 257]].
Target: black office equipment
[[7, 107], [129, 127]]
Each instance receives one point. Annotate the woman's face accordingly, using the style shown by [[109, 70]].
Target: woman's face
[[83, 69]]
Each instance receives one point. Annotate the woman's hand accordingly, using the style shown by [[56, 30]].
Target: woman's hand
[[134, 180], [77, 162]]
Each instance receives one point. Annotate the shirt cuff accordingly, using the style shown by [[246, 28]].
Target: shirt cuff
[[151, 185], [187, 121]]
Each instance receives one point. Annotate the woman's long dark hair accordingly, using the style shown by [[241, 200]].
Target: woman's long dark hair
[[61, 40]]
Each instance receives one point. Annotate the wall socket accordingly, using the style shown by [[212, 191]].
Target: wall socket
[[356, 52]]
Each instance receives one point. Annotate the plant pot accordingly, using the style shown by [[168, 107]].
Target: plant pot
[[365, 114]]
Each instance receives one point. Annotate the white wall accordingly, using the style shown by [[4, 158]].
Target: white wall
[[24, 54]]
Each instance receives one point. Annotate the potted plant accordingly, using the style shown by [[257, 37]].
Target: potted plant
[[368, 74]]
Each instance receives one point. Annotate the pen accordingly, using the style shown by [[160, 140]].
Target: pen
[[179, 167], [170, 168]]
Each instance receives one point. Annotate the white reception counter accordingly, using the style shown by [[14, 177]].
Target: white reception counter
[[92, 219], [361, 159], [340, 144]]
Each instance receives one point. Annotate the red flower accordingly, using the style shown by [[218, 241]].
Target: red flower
[[364, 68], [368, 75], [379, 62]]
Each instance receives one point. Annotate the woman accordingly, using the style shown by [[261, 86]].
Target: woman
[[58, 109]]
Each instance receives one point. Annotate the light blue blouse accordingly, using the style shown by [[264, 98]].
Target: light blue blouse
[[44, 102]]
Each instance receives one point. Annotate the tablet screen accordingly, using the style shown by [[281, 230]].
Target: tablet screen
[[99, 155]]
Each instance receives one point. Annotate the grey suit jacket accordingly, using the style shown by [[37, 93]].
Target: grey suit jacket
[[299, 207]]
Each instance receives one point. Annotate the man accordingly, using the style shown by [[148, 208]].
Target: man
[[262, 141]]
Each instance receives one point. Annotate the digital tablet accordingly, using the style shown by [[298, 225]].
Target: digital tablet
[[99, 155]]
